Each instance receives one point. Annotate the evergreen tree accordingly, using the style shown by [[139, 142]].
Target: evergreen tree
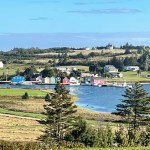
[[59, 109], [135, 107]]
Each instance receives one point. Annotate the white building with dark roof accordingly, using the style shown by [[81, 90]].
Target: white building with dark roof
[[1, 64]]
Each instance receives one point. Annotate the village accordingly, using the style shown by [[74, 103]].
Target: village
[[72, 76]]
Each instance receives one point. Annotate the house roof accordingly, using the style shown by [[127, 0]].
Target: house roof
[[97, 78]]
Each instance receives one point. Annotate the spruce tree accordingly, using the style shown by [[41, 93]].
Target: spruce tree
[[59, 110], [135, 107]]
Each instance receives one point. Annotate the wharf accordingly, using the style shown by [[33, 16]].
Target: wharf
[[5, 82]]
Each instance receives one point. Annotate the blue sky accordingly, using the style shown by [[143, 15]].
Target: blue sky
[[73, 23]]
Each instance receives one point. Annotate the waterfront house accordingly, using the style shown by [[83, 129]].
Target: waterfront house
[[17, 79], [36, 77], [110, 68], [52, 80], [1, 64], [97, 81], [45, 80], [131, 68], [74, 81], [65, 80]]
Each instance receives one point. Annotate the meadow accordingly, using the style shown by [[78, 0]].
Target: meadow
[[19, 119], [12, 105]]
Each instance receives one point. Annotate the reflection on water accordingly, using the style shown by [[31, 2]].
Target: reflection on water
[[75, 90], [103, 99]]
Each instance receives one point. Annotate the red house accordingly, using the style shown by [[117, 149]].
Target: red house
[[97, 80], [65, 80]]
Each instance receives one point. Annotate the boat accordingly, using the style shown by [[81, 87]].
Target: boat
[[124, 85], [74, 83], [86, 84], [24, 83]]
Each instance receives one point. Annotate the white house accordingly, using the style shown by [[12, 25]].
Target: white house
[[131, 68], [110, 68], [45, 80], [74, 81], [1, 64], [110, 46]]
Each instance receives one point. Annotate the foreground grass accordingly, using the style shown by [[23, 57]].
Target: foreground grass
[[119, 148]]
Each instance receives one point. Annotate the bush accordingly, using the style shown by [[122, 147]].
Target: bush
[[25, 96], [47, 97]]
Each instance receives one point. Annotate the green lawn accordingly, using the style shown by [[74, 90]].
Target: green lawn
[[131, 76], [20, 92], [21, 114]]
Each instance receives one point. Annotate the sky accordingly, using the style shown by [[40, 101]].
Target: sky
[[73, 23]]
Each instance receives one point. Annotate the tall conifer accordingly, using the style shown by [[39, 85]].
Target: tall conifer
[[59, 109], [135, 106]]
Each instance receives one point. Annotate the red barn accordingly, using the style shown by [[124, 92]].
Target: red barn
[[97, 81], [65, 80]]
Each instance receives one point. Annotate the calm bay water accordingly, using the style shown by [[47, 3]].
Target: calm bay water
[[101, 99]]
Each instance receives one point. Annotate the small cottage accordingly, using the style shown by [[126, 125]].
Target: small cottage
[[36, 77], [52, 80], [131, 68], [74, 81], [97, 81], [45, 80], [17, 79], [110, 68], [65, 80]]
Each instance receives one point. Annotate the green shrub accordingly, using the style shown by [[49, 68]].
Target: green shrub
[[25, 96]]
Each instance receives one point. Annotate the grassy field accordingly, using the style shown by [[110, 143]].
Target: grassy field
[[20, 92], [132, 77], [14, 128], [24, 126], [32, 109]]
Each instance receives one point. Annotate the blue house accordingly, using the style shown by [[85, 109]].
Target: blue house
[[17, 79]]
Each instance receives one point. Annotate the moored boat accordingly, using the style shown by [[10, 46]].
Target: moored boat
[[124, 85]]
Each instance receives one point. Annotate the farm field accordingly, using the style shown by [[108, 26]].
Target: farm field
[[26, 114], [15, 128]]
